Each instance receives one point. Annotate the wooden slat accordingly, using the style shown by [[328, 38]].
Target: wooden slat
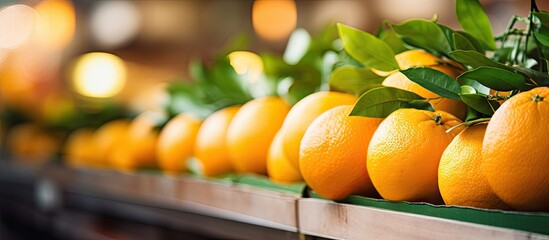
[[342, 221], [235, 202]]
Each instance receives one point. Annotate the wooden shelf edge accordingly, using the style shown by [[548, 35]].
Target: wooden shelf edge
[[343, 221]]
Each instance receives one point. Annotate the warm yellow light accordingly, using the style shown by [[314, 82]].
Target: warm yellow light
[[247, 64], [274, 19], [57, 23], [16, 25], [99, 75]]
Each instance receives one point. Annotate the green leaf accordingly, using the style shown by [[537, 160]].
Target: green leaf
[[367, 49], [463, 43], [354, 80], [495, 78], [448, 33], [382, 101], [542, 35], [479, 88], [503, 54], [472, 40], [476, 59], [480, 102], [474, 21], [434, 81], [391, 38], [540, 78], [543, 18], [420, 104], [473, 114], [465, 89], [423, 34]]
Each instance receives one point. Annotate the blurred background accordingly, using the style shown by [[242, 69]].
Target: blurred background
[[48, 48]]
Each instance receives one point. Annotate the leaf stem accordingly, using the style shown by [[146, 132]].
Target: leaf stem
[[468, 123]]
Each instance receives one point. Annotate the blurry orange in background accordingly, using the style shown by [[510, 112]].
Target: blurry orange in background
[[31, 143], [139, 146], [274, 20]]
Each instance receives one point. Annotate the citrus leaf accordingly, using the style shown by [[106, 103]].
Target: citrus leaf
[[420, 104], [476, 59], [448, 33], [495, 78], [463, 43], [543, 18], [480, 102], [423, 34], [465, 89], [391, 38], [479, 88], [474, 21], [473, 114], [540, 78], [434, 81], [473, 41], [367, 49], [382, 101], [542, 36], [354, 80]]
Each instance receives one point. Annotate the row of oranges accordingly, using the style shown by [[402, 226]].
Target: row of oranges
[[412, 155]]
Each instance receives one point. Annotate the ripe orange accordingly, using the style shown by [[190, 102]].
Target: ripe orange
[[419, 58], [515, 150], [107, 137], [176, 142], [278, 166], [80, 148], [28, 142], [333, 153], [140, 143], [405, 151], [303, 113], [210, 148], [251, 132], [460, 177]]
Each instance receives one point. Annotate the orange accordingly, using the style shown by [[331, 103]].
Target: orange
[[419, 58], [515, 151], [28, 142], [80, 149], [278, 166], [107, 137], [460, 177], [176, 142], [333, 153], [405, 151], [210, 148], [139, 146], [303, 113], [251, 132]]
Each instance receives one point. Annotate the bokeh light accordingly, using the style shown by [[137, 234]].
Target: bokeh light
[[114, 23], [57, 23], [99, 75], [16, 25], [274, 19], [245, 62]]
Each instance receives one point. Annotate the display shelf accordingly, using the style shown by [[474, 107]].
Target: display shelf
[[217, 199], [344, 221], [234, 207]]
